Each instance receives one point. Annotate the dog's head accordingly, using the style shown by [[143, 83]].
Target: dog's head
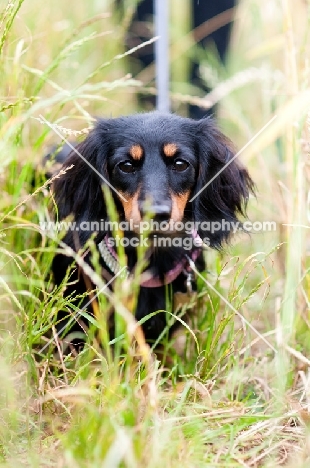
[[176, 168]]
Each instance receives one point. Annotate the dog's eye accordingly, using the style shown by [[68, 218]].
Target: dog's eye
[[180, 165], [126, 166]]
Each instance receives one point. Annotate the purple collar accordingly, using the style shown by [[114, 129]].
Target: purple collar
[[110, 258]]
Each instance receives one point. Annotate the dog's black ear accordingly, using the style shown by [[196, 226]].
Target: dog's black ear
[[224, 183], [78, 191]]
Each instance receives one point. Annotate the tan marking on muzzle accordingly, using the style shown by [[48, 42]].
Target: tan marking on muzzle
[[131, 207], [178, 206]]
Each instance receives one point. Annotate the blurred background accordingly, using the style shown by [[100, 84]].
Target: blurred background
[[244, 62], [244, 65]]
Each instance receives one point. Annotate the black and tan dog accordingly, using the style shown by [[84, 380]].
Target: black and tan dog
[[156, 163]]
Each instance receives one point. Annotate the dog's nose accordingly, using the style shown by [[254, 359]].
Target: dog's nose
[[158, 212]]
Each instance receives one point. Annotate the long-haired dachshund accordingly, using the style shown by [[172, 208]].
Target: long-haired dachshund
[[154, 164]]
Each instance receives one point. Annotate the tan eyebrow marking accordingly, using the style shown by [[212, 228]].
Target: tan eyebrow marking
[[136, 152], [170, 149]]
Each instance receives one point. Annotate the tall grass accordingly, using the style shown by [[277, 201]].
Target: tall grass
[[232, 389]]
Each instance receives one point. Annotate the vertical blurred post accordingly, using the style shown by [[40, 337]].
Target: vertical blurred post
[[161, 10]]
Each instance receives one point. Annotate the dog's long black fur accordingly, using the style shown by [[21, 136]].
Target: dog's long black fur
[[158, 162]]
